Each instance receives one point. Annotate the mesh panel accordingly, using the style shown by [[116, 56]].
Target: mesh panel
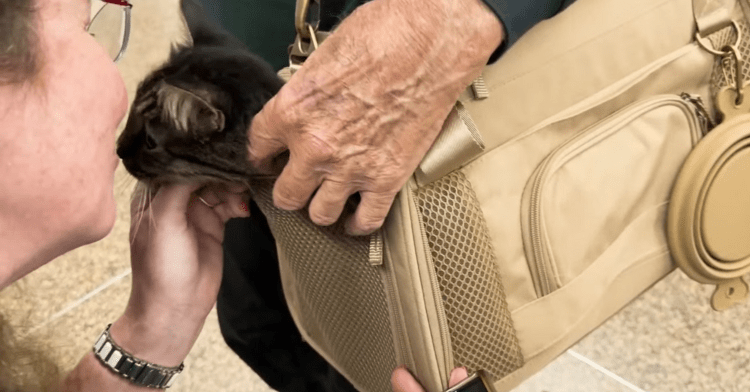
[[482, 333], [342, 299], [723, 72]]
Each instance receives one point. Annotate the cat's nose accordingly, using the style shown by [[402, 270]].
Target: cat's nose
[[126, 148], [123, 152]]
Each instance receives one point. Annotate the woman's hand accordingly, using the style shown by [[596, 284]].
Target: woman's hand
[[403, 381], [367, 105], [176, 256]]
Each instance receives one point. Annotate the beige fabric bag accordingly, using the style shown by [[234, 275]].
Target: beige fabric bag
[[539, 212]]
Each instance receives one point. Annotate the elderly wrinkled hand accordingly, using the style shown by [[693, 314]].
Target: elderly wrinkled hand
[[369, 103]]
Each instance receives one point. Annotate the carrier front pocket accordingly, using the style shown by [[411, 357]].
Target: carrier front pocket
[[593, 187]]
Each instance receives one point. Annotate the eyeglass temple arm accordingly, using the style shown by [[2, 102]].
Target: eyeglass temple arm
[[123, 3]]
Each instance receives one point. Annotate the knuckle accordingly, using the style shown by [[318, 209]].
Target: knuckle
[[318, 149], [322, 218], [287, 201], [370, 227], [370, 221]]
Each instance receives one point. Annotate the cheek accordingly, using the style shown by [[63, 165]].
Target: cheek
[[96, 103]]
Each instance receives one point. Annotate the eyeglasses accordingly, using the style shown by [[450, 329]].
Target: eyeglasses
[[110, 25]]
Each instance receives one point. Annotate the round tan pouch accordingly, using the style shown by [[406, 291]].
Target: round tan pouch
[[708, 222]]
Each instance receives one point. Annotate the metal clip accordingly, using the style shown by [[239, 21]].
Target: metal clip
[[302, 20], [733, 51], [707, 45], [308, 37]]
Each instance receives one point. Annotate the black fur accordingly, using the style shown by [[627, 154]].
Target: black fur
[[216, 74]]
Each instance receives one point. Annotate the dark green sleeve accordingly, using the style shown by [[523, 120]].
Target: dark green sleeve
[[518, 16], [267, 26]]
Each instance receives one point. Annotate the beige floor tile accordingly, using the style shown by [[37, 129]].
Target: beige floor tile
[[670, 339], [568, 374], [210, 366]]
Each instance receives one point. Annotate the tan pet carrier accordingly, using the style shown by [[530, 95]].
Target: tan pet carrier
[[541, 209]]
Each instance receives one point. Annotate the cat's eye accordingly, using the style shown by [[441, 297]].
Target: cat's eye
[[110, 25], [151, 142]]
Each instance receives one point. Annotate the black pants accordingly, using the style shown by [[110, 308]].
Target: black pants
[[255, 320]]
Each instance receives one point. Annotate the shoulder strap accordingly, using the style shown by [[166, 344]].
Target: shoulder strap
[[712, 15]]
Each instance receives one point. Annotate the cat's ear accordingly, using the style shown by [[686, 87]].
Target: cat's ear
[[189, 112]]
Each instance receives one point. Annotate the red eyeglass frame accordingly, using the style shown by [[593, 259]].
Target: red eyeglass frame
[[123, 3]]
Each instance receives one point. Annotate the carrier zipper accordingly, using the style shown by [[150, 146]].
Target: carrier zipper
[[541, 261], [400, 339], [706, 122], [437, 293]]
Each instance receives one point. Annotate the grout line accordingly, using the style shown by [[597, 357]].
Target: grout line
[[605, 371], [80, 301]]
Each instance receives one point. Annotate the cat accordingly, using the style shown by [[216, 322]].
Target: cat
[[190, 117], [189, 122]]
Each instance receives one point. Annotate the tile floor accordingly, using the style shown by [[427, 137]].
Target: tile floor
[[668, 340]]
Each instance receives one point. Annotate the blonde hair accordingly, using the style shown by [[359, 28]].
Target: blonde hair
[[24, 367], [20, 54]]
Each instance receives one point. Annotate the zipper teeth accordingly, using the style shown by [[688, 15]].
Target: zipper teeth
[[541, 262], [400, 339], [534, 223], [437, 293]]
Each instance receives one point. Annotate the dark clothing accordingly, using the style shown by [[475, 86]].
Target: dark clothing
[[267, 26], [518, 16], [253, 315]]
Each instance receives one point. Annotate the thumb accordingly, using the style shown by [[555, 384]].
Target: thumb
[[403, 381], [266, 137]]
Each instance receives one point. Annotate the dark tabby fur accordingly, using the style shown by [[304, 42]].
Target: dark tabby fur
[[190, 117]]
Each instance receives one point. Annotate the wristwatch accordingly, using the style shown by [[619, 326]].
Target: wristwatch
[[139, 372], [474, 383]]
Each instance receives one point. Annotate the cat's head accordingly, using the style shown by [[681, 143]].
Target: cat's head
[[190, 117]]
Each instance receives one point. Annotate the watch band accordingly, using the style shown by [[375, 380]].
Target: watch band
[[139, 372], [474, 383]]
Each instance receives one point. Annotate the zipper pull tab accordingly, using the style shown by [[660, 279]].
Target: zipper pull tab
[[376, 249], [707, 123]]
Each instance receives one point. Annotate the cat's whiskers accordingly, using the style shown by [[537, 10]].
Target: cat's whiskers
[[143, 194], [151, 193], [124, 184]]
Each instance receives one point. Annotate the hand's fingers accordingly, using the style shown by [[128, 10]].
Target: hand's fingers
[[205, 220], [265, 136], [208, 197], [173, 199], [234, 206], [370, 213], [295, 185], [458, 375], [215, 194], [403, 381], [328, 202]]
